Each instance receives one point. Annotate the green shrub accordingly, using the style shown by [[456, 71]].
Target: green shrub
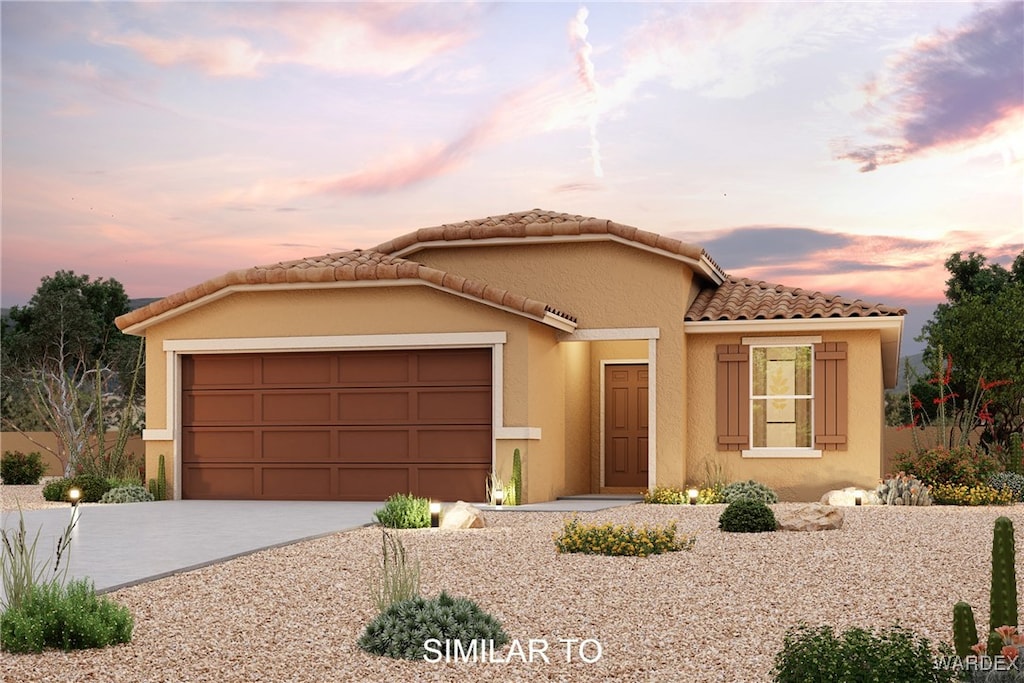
[[1009, 480], [751, 489], [982, 494], [747, 515], [398, 576], [964, 465], [68, 617], [92, 487], [710, 495], [665, 495], [127, 494], [20, 573], [403, 629], [404, 511], [18, 469], [817, 655], [617, 539]]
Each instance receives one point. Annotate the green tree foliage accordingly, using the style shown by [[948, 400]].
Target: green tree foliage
[[981, 326]]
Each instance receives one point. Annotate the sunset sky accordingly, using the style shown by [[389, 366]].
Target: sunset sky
[[845, 147]]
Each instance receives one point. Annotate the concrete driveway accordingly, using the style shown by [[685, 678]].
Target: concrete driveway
[[121, 545]]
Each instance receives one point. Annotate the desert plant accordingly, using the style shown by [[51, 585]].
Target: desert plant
[[127, 494], [713, 483], [19, 571], [1009, 480], [747, 515], [92, 488], [405, 629], [903, 489], [751, 489], [966, 465], [982, 494], [514, 490], [398, 576], [813, 655], [17, 468], [617, 539], [404, 511], [665, 495], [1002, 596], [158, 486], [68, 617], [495, 484]]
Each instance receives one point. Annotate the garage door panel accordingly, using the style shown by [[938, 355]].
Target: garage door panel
[[297, 445], [454, 405], [370, 368], [219, 407], [373, 483], [373, 445], [219, 482], [373, 407], [453, 482], [298, 369], [219, 371], [454, 445], [296, 483], [457, 366], [211, 444], [302, 407]]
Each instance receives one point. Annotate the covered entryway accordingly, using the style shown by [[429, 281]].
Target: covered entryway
[[625, 425], [336, 425]]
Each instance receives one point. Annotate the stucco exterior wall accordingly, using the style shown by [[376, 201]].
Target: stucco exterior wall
[[795, 479], [341, 311]]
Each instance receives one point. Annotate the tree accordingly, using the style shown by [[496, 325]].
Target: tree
[[981, 327], [67, 369]]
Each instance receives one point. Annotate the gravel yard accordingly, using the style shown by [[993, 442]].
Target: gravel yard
[[717, 613]]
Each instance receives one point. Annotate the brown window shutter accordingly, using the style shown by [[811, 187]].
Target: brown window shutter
[[733, 396], [830, 396]]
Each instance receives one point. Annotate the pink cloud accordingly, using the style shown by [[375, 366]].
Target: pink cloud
[[222, 56]]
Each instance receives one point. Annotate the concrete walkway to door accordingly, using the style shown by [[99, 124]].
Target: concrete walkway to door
[[121, 545]]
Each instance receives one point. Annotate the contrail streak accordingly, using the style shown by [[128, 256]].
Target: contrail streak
[[578, 31]]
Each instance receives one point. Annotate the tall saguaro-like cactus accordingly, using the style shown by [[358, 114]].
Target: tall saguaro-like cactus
[[1002, 596], [514, 489]]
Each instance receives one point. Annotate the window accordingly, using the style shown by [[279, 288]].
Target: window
[[781, 397]]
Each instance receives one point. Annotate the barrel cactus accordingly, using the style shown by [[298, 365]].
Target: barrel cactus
[[903, 489]]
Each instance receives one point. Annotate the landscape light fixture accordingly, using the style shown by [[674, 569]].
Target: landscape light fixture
[[857, 500], [435, 514], [499, 497], [692, 494], [74, 496]]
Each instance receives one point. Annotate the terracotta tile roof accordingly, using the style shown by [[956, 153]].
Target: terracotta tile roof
[[540, 223], [745, 299], [341, 267]]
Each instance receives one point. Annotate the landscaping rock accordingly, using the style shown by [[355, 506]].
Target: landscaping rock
[[812, 517], [462, 515], [848, 497]]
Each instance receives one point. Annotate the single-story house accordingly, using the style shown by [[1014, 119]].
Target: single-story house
[[614, 359]]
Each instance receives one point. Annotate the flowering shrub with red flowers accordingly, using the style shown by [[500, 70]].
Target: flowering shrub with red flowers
[[961, 466]]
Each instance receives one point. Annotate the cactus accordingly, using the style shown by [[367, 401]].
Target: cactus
[[965, 633], [158, 486], [514, 490], [1003, 596], [1015, 454], [904, 489]]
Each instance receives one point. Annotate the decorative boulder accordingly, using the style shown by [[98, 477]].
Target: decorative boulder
[[462, 515], [848, 497], [812, 517]]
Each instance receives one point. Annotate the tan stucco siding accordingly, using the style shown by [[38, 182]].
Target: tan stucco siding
[[793, 478], [339, 312]]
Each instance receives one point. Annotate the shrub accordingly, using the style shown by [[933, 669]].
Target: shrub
[[964, 465], [810, 655], [982, 494], [19, 570], [18, 469], [710, 495], [617, 539], [127, 494], [404, 511], [747, 515], [69, 618], [398, 576], [403, 629], [904, 490], [751, 489], [665, 495], [1009, 480], [92, 487]]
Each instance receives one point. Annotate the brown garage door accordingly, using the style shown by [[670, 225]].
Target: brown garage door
[[351, 425]]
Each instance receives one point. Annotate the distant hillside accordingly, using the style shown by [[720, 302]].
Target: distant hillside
[[916, 363]]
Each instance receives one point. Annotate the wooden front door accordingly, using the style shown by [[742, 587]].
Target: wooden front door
[[625, 425]]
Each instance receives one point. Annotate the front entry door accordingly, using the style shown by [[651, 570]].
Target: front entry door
[[625, 425]]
